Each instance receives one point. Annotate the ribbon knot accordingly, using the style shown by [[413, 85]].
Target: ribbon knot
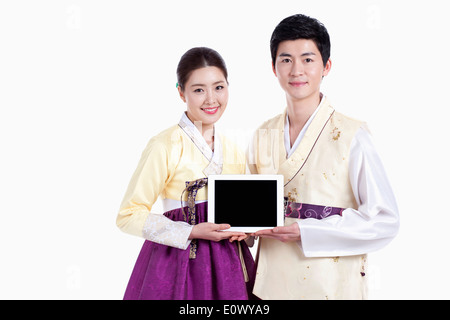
[[192, 188]]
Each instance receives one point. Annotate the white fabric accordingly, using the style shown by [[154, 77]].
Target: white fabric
[[162, 230], [216, 157], [287, 139], [365, 230], [170, 204]]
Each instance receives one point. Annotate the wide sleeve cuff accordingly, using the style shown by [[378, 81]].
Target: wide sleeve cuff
[[162, 230]]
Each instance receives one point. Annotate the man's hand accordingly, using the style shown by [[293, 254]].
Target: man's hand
[[284, 234]]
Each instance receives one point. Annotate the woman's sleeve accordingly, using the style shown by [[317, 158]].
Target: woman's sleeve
[[368, 228], [149, 180]]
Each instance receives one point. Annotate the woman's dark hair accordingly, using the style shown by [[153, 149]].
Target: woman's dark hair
[[197, 58], [300, 26]]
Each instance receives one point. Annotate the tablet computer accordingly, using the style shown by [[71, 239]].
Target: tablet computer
[[246, 202]]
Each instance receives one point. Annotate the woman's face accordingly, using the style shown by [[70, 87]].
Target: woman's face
[[206, 95]]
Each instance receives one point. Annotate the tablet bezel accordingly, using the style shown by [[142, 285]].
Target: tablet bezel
[[249, 229]]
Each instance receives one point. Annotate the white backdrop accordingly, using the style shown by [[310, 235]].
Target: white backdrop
[[85, 84]]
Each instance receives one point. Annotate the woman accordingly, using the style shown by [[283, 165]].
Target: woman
[[183, 256]]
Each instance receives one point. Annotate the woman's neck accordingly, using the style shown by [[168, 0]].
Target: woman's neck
[[207, 133]]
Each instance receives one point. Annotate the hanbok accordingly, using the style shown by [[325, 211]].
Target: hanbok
[[338, 193], [175, 165]]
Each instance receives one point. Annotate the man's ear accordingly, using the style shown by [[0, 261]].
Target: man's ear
[[327, 68], [180, 92], [274, 70]]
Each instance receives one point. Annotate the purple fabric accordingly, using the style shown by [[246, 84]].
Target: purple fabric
[[166, 273], [304, 211]]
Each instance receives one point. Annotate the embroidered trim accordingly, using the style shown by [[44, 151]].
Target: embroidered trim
[[215, 158], [304, 210], [192, 188], [159, 229]]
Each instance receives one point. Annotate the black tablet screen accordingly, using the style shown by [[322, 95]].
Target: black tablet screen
[[246, 203]]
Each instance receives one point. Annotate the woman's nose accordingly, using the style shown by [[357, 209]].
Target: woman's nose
[[210, 97]]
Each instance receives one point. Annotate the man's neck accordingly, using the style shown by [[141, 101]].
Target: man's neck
[[300, 111]]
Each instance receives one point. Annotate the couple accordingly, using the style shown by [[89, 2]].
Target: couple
[[329, 165]]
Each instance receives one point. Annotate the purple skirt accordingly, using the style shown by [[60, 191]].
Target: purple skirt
[[166, 273]]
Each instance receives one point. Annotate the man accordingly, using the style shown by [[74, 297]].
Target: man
[[339, 204]]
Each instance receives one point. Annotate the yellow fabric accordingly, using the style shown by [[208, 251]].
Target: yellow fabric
[[283, 271], [169, 160]]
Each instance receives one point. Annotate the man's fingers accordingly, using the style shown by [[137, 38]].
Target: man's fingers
[[284, 234], [263, 232]]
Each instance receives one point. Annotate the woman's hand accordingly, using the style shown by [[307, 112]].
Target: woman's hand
[[245, 236], [213, 232]]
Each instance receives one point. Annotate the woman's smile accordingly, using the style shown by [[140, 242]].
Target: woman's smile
[[210, 110]]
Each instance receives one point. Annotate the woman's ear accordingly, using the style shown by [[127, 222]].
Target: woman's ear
[[180, 92]]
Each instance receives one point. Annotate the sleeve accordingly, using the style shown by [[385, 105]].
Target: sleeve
[[250, 156], [369, 228], [148, 181]]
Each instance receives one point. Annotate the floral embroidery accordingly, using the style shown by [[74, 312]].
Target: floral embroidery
[[336, 134], [304, 210], [161, 230]]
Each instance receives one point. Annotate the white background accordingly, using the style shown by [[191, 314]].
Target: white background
[[85, 84]]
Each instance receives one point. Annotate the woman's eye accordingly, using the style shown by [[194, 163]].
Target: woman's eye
[[198, 90], [219, 87], [308, 60]]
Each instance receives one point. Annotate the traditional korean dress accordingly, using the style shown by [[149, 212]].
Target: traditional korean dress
[[175, 165], [337, 191]]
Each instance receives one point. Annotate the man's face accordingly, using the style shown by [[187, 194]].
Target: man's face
[[299, 69]]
